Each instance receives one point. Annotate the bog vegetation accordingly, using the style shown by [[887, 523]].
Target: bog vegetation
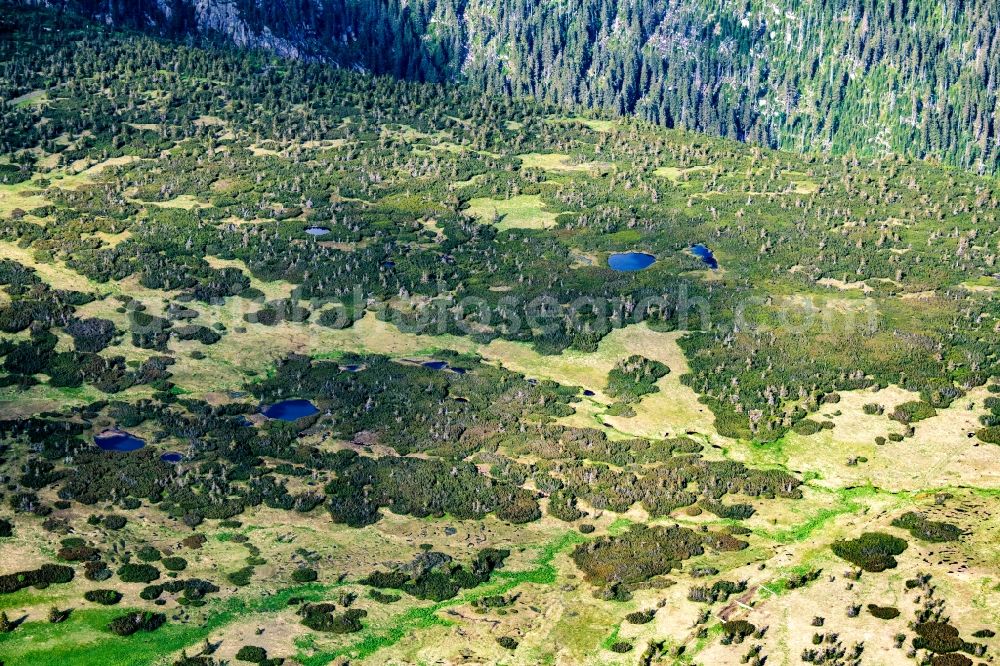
[[166, 204]]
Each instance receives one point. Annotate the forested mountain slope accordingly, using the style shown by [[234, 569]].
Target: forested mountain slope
[[872, 76]]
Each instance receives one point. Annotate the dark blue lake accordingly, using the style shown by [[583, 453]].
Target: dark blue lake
[[171, 457], [290, 410], [705, 254], [630, 261], [118, 440], [317, 231], [388, 264], [435, 365], [588, 392], [351, 368]]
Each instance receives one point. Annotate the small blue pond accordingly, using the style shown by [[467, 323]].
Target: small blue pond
[[351, 368], [459, 371], [317, 231], [171, 457], [388, 264], [630, 261], [588, 392], [705, 254], [118, 440], [435, 365], [290, 410]]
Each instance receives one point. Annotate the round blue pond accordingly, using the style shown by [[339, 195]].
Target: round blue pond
[[702, 252], [317, 231], [588, 392], [290, 410], [630, 261], [171, 457], [118, 440]]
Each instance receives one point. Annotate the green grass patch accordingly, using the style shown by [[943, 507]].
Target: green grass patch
[[377, 638], [524, 211]]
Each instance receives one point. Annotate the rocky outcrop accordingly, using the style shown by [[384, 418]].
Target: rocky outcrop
[[281, 27], [415, 39]]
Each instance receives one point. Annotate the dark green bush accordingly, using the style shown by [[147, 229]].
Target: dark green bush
[[719, 591], [952, 659], [115, 522], [438, 577], [96, 571], [641, 617], [939, 637], [928, 530], [322, 617], [562, 505], [138, 573], [883, 612], [382, 597], [507, 642], [130, 623], [738, 629], [728, 511], [872, 551], [91, 335], [240, 578], [304, 575], [103, 597], [990, 435], [151, 592], [252, 654], [174, 563], [913, 411], [78, 553], [45, 575], [634, 377], [645, 552], [807, 427]]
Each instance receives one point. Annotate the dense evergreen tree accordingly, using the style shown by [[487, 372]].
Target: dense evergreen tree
[[868, 75]]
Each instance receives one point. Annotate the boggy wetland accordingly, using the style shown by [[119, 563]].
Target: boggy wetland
[[304, 365]]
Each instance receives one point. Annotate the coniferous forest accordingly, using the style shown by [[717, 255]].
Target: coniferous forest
[[864, 76]]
